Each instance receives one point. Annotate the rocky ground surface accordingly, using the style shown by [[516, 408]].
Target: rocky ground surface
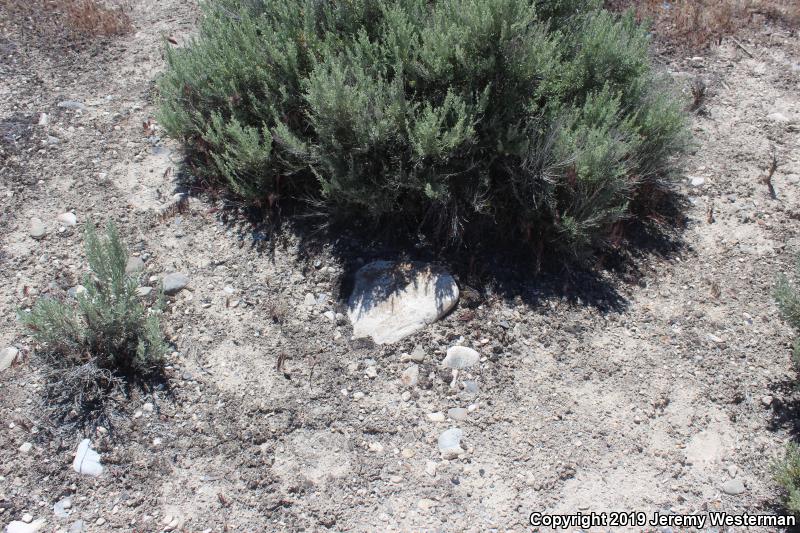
[[668, 387]]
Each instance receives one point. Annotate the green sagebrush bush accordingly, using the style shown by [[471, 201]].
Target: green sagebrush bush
[[788, 300], [787, 474], [107, 330], [537, 121]]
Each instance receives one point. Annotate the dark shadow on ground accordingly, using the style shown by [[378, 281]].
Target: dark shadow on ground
[[785, 407], [508, 270]]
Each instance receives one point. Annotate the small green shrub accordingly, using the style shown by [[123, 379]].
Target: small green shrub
[[107, 332], [532, 121], [787, 474], [788, 300]]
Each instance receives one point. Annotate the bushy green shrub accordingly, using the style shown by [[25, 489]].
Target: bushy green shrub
[[537, 121], [787, 474], [107, 327], [788, 300]]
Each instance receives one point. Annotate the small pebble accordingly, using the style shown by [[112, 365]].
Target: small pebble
[[734, 487], [68, 219], [410, 376], [457, 413]]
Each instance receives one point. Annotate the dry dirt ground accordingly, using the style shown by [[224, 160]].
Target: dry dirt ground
[[647, 390]]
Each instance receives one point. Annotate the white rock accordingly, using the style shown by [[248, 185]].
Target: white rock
[[457, 413], [36, 228], [417, 355], [410, 376], [430, 468], [26, 448], [87, 461], [393, 300], [68, 219], [61, 506], [310, 300], [18, 526], [425, 504], [697, 181], [778, 117], [7, 357], [461, 357], [450, 443], [438, 416]]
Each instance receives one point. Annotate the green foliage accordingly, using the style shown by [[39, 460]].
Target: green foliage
[[107, 326], [788, 300], [538, 121], [787, 474]]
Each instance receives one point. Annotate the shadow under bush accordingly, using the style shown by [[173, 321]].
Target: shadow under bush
[[536, 124]]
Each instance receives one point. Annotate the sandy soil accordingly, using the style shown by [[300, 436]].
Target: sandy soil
[[643, 391]]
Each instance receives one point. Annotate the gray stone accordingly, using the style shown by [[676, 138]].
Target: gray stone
[[175, 282], [697, 181], [87, 461], [26, 447], [143, 291], [74, 292], [471, 389], [7, 357], [734, 487], [392, 300], [457, 413], [310, 300], [60, 508], [135, 264], [461, 357], [68, 219], [71, 104], [36, 228], [450, 443], [77, 526]]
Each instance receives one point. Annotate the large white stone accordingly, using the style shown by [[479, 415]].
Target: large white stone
[[393, 300], [87, 461]]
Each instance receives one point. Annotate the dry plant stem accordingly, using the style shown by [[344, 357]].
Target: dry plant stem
[[767, 179]]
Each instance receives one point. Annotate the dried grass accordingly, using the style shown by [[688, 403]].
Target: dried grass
[[59, 23], [698, 23]]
